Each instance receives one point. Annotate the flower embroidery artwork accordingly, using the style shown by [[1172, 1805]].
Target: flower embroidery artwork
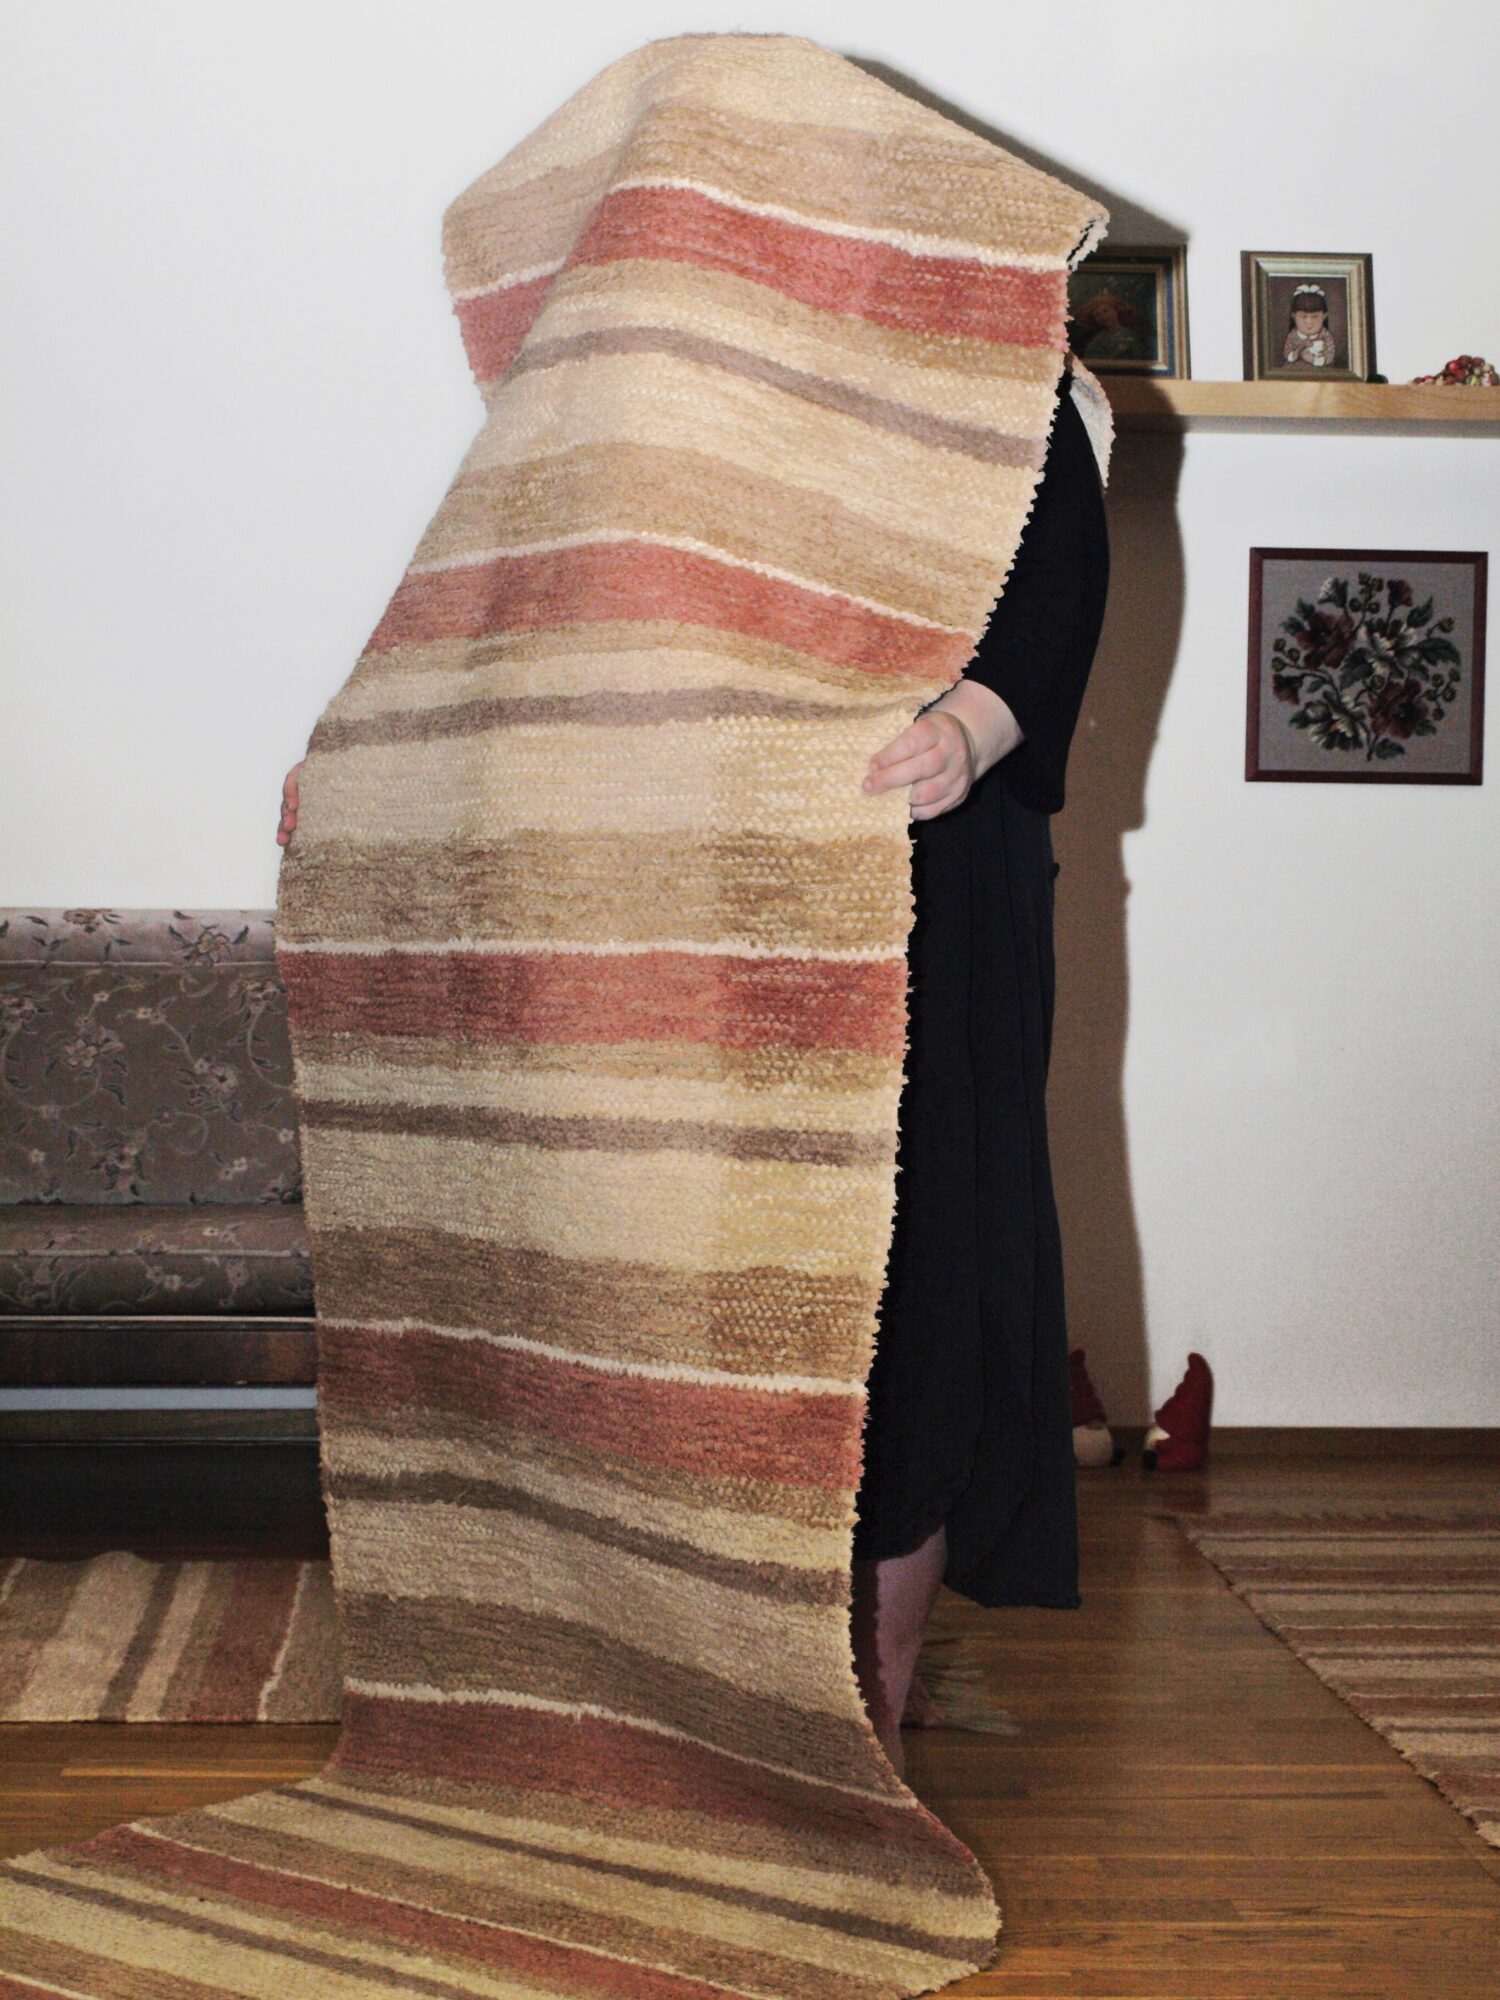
[[1366, 668]]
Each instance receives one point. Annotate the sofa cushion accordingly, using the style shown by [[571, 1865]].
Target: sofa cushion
[[152, 1257]]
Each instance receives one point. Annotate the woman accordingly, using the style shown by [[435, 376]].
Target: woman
[[968, 1474], [969, 1470]]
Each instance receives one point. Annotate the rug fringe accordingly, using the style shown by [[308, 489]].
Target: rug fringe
[[956, 1673]]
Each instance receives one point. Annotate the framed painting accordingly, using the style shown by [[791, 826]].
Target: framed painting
[[1127, 311], [1307, 316], [1367, 665]]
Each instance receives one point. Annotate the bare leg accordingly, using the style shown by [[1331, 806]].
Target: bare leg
[[890, 1605]]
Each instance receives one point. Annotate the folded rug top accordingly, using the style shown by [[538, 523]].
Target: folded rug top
[[595, 953]]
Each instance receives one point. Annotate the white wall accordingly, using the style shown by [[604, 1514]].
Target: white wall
[[234, 393]]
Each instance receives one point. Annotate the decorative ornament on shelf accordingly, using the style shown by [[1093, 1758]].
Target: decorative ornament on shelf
[[1465, 371]]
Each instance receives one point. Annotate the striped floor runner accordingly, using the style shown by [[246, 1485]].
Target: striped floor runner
[[1398, 1613], [115, 1638]]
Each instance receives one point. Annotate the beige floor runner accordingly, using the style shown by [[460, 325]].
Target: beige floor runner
[[115, 1638], [1399, 1614]]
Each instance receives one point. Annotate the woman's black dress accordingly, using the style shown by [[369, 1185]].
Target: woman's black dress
[[968, 1420]]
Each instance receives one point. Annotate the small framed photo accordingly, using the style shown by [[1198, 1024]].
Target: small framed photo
[[1367, 665], [1307, 316], [1127, 311]]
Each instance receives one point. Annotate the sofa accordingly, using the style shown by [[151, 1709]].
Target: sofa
[[151, 1224]]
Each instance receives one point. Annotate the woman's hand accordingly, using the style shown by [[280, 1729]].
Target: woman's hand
[[949, 747], [288, 824], [935, 755]]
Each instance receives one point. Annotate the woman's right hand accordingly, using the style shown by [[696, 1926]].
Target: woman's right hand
[[288, 824]]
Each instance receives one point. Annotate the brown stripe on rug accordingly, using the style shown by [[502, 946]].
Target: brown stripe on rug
[[115, 1638], [1397, 1613]]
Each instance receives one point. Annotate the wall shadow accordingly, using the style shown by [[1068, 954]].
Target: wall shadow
[[1105, 801]]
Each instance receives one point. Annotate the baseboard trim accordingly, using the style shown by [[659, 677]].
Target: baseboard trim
[[1417, 1442], [1410, 1443]]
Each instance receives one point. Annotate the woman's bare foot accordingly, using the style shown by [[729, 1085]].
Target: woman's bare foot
[[889, 1606]]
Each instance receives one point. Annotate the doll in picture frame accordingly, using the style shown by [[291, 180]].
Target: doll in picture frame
[[1309, 337]]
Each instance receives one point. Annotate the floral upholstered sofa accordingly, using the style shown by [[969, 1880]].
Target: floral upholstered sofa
[[151, 1227]]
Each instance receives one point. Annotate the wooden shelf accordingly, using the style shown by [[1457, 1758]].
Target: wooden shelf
[[1161, 403]]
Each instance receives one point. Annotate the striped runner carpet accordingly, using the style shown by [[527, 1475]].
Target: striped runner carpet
[[595, 958], [1398, 1613], [117, 1638]]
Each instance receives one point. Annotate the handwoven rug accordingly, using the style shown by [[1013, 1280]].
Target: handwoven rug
[[119, 1638], [595, 957], [1398, 1613]]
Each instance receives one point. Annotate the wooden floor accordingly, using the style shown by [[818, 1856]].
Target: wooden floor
[[1185, 1810]]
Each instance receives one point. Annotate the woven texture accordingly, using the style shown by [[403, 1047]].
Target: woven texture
[[113, 1638], [117, 1638], [1398, 1613], [595, 955]]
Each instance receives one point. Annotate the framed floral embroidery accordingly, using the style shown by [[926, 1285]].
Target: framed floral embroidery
[[1367, 665]]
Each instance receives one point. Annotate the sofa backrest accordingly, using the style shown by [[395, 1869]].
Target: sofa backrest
[[144, 1058]]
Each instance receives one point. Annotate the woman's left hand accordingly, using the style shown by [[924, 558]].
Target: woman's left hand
[[935, 755], [944, 753]]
